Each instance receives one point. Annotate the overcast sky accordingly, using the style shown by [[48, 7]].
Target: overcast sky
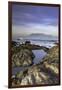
[[27, 19]]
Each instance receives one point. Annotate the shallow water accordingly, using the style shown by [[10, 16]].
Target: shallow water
[[17, 69], [39, 54]]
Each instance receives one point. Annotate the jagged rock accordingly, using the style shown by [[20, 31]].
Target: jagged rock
[[47, 72], [22, 58]]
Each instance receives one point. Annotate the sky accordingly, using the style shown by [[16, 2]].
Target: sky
[[28, 19]]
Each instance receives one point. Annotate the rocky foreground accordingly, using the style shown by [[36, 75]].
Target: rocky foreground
[[22, 58], [23, 55], [47, 72]]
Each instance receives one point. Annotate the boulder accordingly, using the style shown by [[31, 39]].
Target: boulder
[[22, 58]]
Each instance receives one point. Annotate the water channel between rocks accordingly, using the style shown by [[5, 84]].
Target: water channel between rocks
[[39, 54]]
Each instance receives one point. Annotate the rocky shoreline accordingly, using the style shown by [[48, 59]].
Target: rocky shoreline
[[46, 72], [23, 55]]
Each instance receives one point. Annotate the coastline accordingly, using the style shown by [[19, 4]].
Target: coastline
[[49, 63]]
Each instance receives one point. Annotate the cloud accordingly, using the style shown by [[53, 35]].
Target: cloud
[[30, 28], [27, 19]]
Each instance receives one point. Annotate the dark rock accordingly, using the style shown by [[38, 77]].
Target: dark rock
[[33, 47], [14, 43], [27, 42]]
